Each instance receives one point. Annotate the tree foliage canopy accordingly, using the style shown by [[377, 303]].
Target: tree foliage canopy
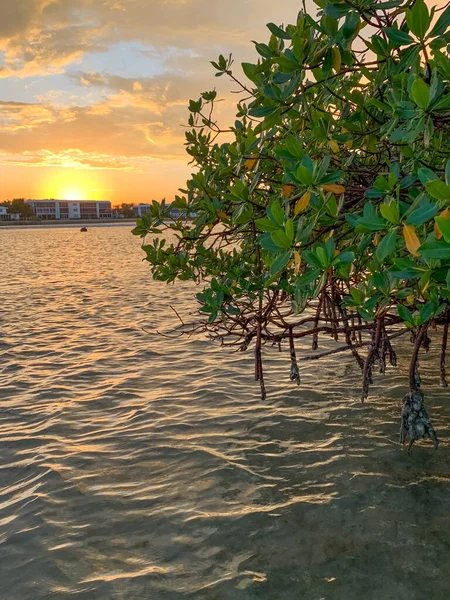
[[18, 206], [325, 209]]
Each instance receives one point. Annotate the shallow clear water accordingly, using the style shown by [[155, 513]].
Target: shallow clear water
[[134, 465]]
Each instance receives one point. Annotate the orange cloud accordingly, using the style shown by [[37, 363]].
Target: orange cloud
[[128, 127]]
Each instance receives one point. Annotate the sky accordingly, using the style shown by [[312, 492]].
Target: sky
[[93, 93]]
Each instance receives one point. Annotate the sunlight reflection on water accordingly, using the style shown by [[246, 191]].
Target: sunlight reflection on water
[[140, 466]]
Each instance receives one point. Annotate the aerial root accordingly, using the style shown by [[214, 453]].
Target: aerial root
[[372, 356], [444, 383], [294, 374], [415, 422]]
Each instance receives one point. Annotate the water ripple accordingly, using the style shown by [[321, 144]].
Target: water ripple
[[140, 466]]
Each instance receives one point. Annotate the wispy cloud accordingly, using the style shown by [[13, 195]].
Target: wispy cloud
[[69, 159]]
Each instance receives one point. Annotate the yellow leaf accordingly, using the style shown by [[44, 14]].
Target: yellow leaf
[[334, 188], [334, 146], [376, 239], [337, 61], [250, 163], [302, 203], [349, 144], [210, 226], [287, 190], [222, 214], [411, 239], [410, 299], [327, 236], [437, 232], [297, 261]]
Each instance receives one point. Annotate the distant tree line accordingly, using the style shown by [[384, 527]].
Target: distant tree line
[[126, 210], [18, 206]]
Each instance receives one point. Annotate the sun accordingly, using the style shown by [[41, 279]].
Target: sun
[[72, 193], [72, 185]]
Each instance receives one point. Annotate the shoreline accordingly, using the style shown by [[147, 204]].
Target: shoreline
[[72, 223]]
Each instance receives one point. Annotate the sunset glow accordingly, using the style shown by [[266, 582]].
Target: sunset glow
[[72, 194], [93, 95], [72, 184]]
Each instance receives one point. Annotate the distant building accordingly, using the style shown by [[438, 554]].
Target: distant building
[[51, 210], [175, 213], [141, 209], [6, 216]]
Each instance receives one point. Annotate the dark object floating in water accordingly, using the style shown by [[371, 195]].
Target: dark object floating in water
[[83, 229]]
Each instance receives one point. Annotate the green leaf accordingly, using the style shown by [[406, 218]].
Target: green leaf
[[281, 239], [387, 245], [444, 227], [290, 229], [390, 211], [304, 175], [438, 249], [426, 312], [441, 24], [417, 129], [423, 213], [447, 172], [321, 254], [337, 10], [437, 189], [397, 135], [344, 258], [373, 223], [249, 71], [278, 32], [404, 313], [311, 258], [426, 175], [280, 262], [418, 19], [276, 211], [262, 111], [420, 93], [398, 38], [405, 273], [424, 280], [357, 295], [266, 225], [405, 268], [380, 46], [294, 146], [266, 242], [442, 102], [387, 5], [351, 23]]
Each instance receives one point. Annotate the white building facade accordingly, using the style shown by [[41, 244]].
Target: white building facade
[[51, 210], [6, 216], [141, 209]]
